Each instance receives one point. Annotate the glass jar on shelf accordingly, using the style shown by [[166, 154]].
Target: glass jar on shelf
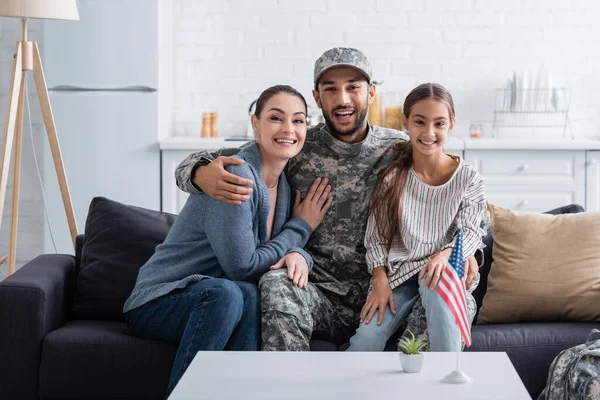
[[375, 111], [476, 130], [392, 110], [386, 108]]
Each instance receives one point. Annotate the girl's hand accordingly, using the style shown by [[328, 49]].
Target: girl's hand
[[316, 203], [296, 266], [433, 269], [471, 271], [379, 298]]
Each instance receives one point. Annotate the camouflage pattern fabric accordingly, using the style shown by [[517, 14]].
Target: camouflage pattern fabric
[[340, 57], [337, 245], [575, 373], [292, 316]]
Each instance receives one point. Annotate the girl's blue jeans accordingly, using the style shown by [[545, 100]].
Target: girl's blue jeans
[[443, 332]]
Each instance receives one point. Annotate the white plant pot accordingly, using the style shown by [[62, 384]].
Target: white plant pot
[[412, 362]]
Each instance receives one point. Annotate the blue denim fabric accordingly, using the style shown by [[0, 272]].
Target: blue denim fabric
[[211, 314], [443, 332]]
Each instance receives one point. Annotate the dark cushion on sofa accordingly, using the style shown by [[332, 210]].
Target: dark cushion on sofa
[[531, 347], [322, 345], [484, 270], [119, 239], [100, 360]]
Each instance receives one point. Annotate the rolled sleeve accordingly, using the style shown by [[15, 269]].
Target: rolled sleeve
[[184, 172], [377, 254], [472, 213]]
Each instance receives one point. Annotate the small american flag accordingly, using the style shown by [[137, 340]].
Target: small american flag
[[452, 289]]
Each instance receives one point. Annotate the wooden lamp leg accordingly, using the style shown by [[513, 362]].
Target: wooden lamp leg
[[12, 253], [14, 95], [42, 91]]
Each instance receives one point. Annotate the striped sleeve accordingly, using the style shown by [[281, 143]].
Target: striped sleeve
[[377, 254], [471, 214]]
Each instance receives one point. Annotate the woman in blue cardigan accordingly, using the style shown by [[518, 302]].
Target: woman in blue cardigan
[[199, 287]]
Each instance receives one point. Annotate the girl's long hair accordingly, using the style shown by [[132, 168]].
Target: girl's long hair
[[386, 201]]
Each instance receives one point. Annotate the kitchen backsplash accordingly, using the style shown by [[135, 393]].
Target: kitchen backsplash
[[227, 51]]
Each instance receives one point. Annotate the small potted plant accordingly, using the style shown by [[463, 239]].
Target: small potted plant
[[411, 357]]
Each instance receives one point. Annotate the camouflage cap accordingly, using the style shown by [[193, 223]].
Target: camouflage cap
[[340, 57]]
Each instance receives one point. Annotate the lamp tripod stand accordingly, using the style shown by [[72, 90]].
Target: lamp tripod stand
[[27, 58]]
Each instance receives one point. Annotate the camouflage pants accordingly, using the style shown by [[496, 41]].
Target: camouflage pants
[[292, 316]]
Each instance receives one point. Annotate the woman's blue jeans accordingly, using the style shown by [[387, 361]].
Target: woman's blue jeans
[[211, 314]]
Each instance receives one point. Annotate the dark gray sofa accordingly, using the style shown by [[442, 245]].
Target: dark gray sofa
[[62, 335]]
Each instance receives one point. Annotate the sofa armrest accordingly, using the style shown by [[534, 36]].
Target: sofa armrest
[[34, 301]]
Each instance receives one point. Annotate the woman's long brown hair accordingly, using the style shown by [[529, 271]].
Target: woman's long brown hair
[[386, 201]]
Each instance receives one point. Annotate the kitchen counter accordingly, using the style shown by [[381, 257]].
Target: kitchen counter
[[454, 143], [196, 143], [530, 144]]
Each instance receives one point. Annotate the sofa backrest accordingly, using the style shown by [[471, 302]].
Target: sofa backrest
[[484, 270], [118, 241], [78, 249]]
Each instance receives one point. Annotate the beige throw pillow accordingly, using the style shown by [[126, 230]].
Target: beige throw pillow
[[545, 268]]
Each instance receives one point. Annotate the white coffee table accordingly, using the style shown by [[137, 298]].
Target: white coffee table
[[340, 375]]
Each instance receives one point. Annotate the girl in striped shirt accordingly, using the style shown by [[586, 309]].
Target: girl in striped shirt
[[419, 201]]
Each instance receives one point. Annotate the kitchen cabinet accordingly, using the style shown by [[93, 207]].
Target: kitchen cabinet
[[172, 199], [592, 193], [531, 180], [173, 151]]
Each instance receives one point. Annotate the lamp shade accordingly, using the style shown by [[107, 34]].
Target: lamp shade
[[45, 9]]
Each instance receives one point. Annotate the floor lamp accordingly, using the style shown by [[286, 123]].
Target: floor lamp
[[27, 58]]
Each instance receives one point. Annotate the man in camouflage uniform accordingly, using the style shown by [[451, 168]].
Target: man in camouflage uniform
[[349, 152]]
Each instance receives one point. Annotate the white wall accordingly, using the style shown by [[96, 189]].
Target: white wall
[[227, 51]]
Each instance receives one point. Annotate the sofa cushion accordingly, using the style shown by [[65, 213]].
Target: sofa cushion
[[323, 345], [545, 268], [531, 347], [484, 270], [119, 239], [100, 360]]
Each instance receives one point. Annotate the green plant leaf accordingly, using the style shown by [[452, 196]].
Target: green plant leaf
[[412, 345]]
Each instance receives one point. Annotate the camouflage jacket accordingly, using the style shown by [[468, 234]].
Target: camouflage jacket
[[337, 245]]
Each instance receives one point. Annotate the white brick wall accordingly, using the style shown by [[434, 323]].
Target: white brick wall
[[471, 46]]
